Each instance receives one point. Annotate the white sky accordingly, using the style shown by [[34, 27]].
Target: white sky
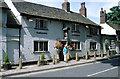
[[93, 6]]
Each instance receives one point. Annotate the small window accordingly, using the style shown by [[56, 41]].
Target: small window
[[41, 24], [112, 44], [75, 28], [77, 45], [94, 31], [93, 46], [40, 46]]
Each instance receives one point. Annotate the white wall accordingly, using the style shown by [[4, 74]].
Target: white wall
[[3, 22]]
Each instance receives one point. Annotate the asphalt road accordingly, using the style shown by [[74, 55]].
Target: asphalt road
[[107, 68]]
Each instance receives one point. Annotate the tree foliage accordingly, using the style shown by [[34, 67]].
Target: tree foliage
[[114, 15]]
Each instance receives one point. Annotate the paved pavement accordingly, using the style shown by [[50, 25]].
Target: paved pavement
[[35, 68], [107, 68]]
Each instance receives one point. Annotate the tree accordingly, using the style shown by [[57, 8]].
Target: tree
[[114, 15]]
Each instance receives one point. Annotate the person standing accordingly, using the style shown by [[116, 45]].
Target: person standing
[[65, 51]]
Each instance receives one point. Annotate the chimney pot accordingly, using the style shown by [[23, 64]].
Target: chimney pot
[[66, 5], [101, 9], [83, 10], [104, 11], [102, 16]]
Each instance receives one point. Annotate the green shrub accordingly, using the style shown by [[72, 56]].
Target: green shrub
[[87, 52], [42, 56], [6, 58], [113, 52], [101, 50]]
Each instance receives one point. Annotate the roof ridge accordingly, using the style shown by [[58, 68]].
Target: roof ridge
[[51, 12]]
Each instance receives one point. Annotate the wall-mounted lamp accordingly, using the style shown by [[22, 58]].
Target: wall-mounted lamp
[[29, 19], [87, 26]]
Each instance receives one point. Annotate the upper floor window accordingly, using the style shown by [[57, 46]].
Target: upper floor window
[[75, 28], [93, 46], [40, 45], [94, 31], [41, 24]]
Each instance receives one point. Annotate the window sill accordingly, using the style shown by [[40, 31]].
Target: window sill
[[76, 50], [41, 52], [41, 28], [94, 34], [75, 32], [93, 50]]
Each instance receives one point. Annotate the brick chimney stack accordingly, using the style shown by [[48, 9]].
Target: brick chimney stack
[[102, 16], [66, 6], [83, 9]]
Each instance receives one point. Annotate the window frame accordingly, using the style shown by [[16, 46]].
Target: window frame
[[39, 46], [78, 43], [75, 28], [41, 24], [91, 47], [111, 46], [92, 31]]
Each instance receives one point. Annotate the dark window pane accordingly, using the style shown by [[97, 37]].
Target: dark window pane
[[41, 46], [37, 24], [92, 45], [41, 23], [75, 45], [78, 45], [45, 46], [35, 46]]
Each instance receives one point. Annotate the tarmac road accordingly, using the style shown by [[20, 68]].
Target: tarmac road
[[107, 68]]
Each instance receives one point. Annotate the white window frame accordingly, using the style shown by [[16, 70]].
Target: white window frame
[[95, 46], [77, 44], [44, 26], [111, 48], [39, 46], [75, 28]]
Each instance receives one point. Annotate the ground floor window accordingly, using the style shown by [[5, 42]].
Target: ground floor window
[[112, 44], [93, 46], [40, 45], [77, 45]]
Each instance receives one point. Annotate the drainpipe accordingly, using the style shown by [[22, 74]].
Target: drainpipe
[[19, 41]]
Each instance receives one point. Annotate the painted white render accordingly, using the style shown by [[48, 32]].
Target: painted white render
[[54, 34], [3, 22], [107, 29]]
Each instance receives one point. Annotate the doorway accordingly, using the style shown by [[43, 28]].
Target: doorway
[[61, 52]]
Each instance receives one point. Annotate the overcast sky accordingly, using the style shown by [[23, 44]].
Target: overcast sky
[[93, 6]]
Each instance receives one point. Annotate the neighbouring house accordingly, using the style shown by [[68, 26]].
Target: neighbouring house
[[117, 28], [36, 28], [9, 33], [3, 21], [108, 34]]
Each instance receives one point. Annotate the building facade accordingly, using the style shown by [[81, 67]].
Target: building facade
[[108, 34], [39, 27]]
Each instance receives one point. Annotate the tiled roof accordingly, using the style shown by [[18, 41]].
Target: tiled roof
[[51, 12], [11, 19], [115, 26], [3, 4]]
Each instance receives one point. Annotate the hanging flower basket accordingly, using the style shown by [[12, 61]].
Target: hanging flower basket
[[58, 47]]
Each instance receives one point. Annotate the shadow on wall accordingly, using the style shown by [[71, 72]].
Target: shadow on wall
[[4, 53]]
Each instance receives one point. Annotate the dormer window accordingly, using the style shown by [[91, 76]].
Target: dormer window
[[40, 24], [75, 28]]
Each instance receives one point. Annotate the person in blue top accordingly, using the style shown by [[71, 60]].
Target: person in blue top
[[65, 51]]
